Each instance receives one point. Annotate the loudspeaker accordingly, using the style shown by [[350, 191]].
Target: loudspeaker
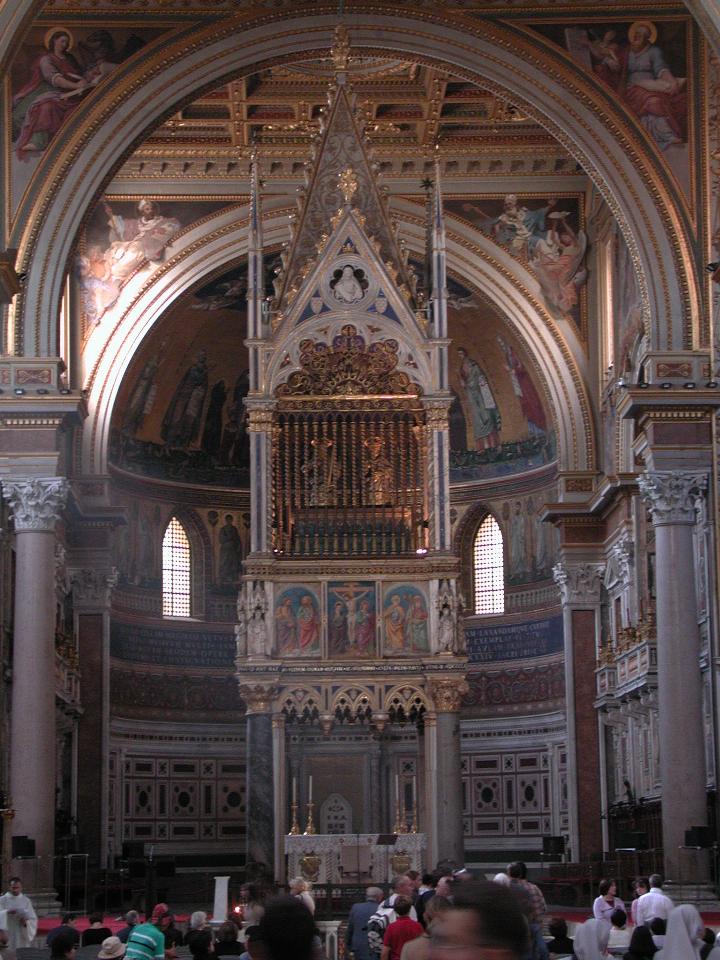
[[22, 847], [553, 846], [699, 837], [133, 849], [632, 840]]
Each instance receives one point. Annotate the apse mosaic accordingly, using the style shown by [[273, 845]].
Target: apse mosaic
[[188, 427], [546, 234], [53, 75], [498, 420], [645, 65]]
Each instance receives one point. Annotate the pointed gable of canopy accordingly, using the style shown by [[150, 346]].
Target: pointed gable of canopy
[[342, 147]]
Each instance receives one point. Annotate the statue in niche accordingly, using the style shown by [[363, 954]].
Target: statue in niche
[[322, 473], [348, 285], [378, 474], [257, 633], [241, 627], [447, 606]]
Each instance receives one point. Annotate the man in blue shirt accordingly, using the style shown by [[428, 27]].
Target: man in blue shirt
[[356, 936]]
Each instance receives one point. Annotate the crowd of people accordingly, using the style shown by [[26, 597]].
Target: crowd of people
[[437, 916]]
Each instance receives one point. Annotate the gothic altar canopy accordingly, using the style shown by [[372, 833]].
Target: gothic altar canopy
[[347, 617]]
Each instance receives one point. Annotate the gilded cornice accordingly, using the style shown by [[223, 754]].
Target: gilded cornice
[[167, 51]]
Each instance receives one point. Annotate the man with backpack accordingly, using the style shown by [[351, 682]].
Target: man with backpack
[[385, 915]]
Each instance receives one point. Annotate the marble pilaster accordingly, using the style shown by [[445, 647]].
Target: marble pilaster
[[671, 498], [92, 592], [260, 799], [36, 506], [447, 695], [280, 794], [580, 586]]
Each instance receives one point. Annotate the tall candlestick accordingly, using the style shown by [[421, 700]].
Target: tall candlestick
[[294, 792], [414, 791], [310, 789], [397, 790]]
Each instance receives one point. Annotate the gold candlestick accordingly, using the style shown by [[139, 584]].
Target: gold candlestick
[[295, 828], [310, 827], [414, 827]]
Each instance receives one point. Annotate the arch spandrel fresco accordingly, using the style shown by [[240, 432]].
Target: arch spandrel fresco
[[645, 64], [57, 68], [125, 238], [547, 234]]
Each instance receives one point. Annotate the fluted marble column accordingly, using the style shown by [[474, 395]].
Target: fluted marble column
[[447, 695], [671, 497], [36, 505], [260, 798]]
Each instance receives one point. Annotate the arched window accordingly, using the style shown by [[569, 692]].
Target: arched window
[[176, 571], [488, 572]]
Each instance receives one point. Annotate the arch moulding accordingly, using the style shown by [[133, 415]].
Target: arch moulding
[[550, 90]]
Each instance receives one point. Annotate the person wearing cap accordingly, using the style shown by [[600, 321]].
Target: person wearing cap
[[146, 940], [112, 948]]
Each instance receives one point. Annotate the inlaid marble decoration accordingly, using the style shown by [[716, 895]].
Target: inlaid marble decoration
[[405, 620], [298, 621], [351, 619]]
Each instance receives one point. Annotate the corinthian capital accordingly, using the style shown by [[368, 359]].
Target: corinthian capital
[[36, 503], [671, 495], [258, 697], [448, 694], [579, 583], [93, 588]]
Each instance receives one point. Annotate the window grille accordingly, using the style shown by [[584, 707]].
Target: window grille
[[489, 579], [176, 571]]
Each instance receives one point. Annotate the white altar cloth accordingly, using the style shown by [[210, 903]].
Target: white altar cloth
[[320, 857]]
